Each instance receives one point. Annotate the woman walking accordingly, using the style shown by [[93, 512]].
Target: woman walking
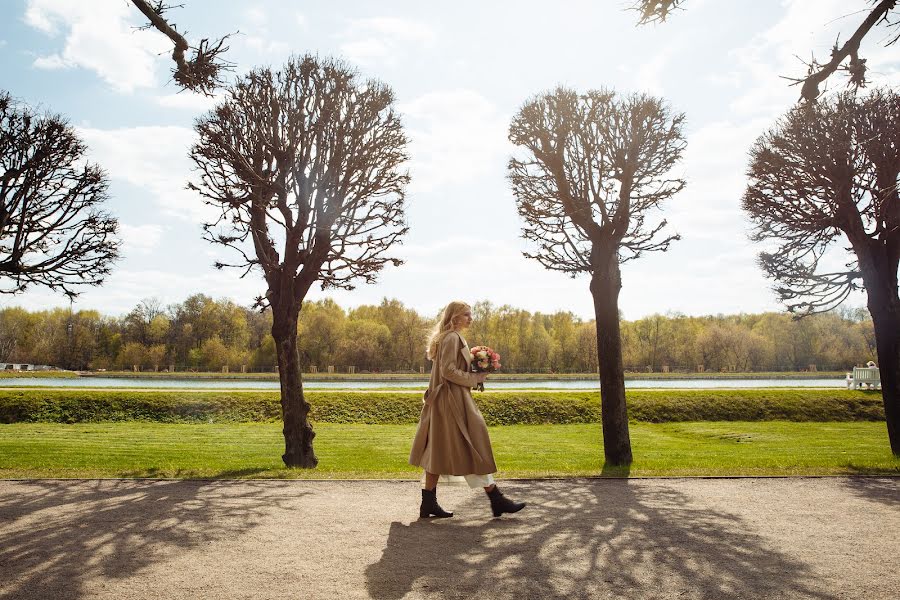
[[452, 438]]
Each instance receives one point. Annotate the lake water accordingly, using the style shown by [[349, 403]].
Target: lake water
[[233, 384]]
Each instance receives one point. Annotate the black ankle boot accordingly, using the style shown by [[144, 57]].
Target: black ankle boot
[[430, 506], [501, 504]]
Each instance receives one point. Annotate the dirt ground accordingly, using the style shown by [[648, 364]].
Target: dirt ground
[[640, 538]]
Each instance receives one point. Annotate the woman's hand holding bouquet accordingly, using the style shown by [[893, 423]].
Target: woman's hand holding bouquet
[[484, 360]]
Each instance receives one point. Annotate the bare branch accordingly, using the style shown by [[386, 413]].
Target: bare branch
[[656, 11], [856, 67], [203, 71]]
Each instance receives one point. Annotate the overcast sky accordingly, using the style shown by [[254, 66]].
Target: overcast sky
[[460, 71]]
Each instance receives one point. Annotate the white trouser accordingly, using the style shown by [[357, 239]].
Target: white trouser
[[474, 481], [479, 481]]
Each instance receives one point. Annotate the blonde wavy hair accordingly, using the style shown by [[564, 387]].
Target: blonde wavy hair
[[444, 325]]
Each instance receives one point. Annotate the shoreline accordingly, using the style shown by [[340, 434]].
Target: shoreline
[[515, 377]]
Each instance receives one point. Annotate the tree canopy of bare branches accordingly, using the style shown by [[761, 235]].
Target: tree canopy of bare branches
[[202, 72], [53, 231], [820, 178], [844, 57], [304, 166], [594, 169], [825, 177]]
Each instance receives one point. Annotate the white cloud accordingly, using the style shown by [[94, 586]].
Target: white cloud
[[153, 158], [257, 35], [690, 278], [263, 45], [404, 30], [730, 79], [38, 15], [51, 62], [366, 51], [456, 136], [100, 37], [186, 100], [715, 165], [384, 39], [141, 239], [126, 287], [648, 77], [436, 272], [721, 279], [257, 16]]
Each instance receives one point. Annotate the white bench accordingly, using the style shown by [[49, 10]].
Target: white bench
[[868, 377]]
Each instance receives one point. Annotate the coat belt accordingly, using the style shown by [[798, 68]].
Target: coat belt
[[432, 393]]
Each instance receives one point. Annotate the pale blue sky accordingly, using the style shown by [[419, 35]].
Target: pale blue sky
[[460, 72]]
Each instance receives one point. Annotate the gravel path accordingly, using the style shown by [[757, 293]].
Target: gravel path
[[639, 538]]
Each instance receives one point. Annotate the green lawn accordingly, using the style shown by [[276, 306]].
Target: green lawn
[[133, 449]]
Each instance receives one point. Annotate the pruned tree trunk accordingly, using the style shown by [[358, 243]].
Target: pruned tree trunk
[[606, 283], [878, 266], [298, 433], [884, 307], [887, 337]]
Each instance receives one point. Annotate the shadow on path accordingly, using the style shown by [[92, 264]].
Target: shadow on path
[[610, 538], [885, 491], [58, 534]]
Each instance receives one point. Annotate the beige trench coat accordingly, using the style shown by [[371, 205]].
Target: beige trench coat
[[452, 438]]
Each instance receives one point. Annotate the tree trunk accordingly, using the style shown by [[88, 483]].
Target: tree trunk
[[298, 433], [605, 285], [886, 318], [878, 262]]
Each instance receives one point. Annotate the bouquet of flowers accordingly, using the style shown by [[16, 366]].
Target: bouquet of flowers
[[484, 360]]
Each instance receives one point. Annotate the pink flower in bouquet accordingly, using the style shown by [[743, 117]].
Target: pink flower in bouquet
[[484, 360]]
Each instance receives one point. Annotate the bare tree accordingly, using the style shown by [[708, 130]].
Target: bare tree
[[139, 320], [304, 165], [826, 176], [844, 57], [203, 71], [52, 230], [594, 169]]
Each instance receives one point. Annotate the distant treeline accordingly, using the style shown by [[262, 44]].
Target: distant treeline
[[206, 334]]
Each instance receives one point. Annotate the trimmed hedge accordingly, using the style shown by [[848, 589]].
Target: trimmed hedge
[[87, 406], [10, 374], [498, 408]]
